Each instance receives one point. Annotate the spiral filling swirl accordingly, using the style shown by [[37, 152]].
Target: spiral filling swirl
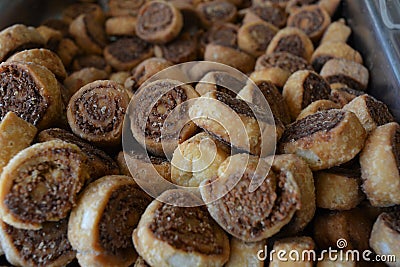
[[157, 17], [308, 21]]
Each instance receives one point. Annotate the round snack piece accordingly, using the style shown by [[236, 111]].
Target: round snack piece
[[99, 163], [170, 235], [158, 22], [121, 25], [283, 60], [48, 246], [347, 72], [325, 139], [125, 8], [17, 38], [385, 235], [74, 10], [96, 112], [254, 37], [302, 88], [90, 61], [338, 31], [370, 111], [341, 94], [294, 5], [152, 105], [311, 19], [316, 106], [380, 161], [114, 205], [244, 254], [43, 57], [216, 11], [51, 37], [266, 12], [127, 52], [224, 34], [219, 81], [41, 184], [58, 25], [197, 159], [290, 245], [251, 216], [67, 50], [276, 75], [30, 91], [182, 49], [292, 40]]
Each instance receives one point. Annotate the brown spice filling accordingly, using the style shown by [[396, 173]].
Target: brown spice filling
[[275, 100], [128, 49], [218, 11], [45, 189], [314, 88], [182, 49], [319, 61], [272, 14], [309, 21], [378, 111], [157, 17], [224, 34], [347, 80], [41, 247], [94, 61], [190, 229], [231, 85], [20, 94], [396, 147], [121, 216], [94, 30], [392, 219], [262, 35], [284, 60], [291, 44], [320, 121]]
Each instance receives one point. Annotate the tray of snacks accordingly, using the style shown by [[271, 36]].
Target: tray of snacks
[[199, 133]]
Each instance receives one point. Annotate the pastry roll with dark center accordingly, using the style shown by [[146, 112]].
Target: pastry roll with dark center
[[266, 12], [220, 81], [98, 162], [76, 9], [41, 184], [284, 60], [90, 61], [120, 26], [153, 104], [224, 34], [57, 24], [347, 72], [67, 50], [127, 52], [245, 253], [100, 226], [330, 50], [370, 111], [236, 122], [316, 106], [380, 161], [216, 11], [311, 19], [251, 216], [30, 91], [338, 31], [275, 75], [302, 88], [325, 139], [294, 5], [125, 8], [96, 112], [170, 235], [292, 40], [17, 38], [385, 235], [254, 37], [51, 37], [341, 94], [290, 245], [48, 246], [158, 22], [182, 49]]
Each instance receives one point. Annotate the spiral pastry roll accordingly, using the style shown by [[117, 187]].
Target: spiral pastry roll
[[17, 38], [170, 235], [99, 163], [385, 235], [158, 22], [67, 50], [219, 81], [90, 61], [330, 50], [299, 244], [370, 111], [48, 246], [325, 139], [338, 31], [51, 37], [153, 104], [316, 106], [283, 60], [379, 165], [254, 37], [182, 49], [224, 34], [277, 198], [127, 52], [302, 88], [346, 72], [342, 95], [41, 184], [96, 112], [125, 8], [74, 10], [267, 12], [311, 19], [216, 11], [43, 57], [58, 25], [30, 91], [245, 254], [294, 5], [120, 26], [292, 40]]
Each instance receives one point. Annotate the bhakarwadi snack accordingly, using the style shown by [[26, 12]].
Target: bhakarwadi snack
[[219, 81], [125, 8], [254, 37], [67, 50], [74, 10], [319, 105], [121, 26], [216, 11], [337, 31], [51, 37], [341, 94], [184, 48], [266, 12], [90, 61]]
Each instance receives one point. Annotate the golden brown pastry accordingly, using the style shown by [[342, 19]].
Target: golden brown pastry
[[58, 25], [380, 165], [221, 81], [244, 254], [158, 22], [254, 37], [140, 263], [125, 8], [311, 19], [302, 88], [51, 37], [284, 60], [170, 235], [325, 139], [100, 226], [224, 34], [74, 10], [182, 49], [48, 246], [15, 135], [316, 106], [88, 61], [257, 215], [96, 112], [347, 72], [30, 91], [290, 244], [120, 77], [53, 172], [216, 11], [153, 104], [127, 52], [370, 111], [276, 75], [268, 12], [294, 5], [197, 159], [292, 40], [341, 94], [338, 31], [19, 37], [67, 50], [121, 26]]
